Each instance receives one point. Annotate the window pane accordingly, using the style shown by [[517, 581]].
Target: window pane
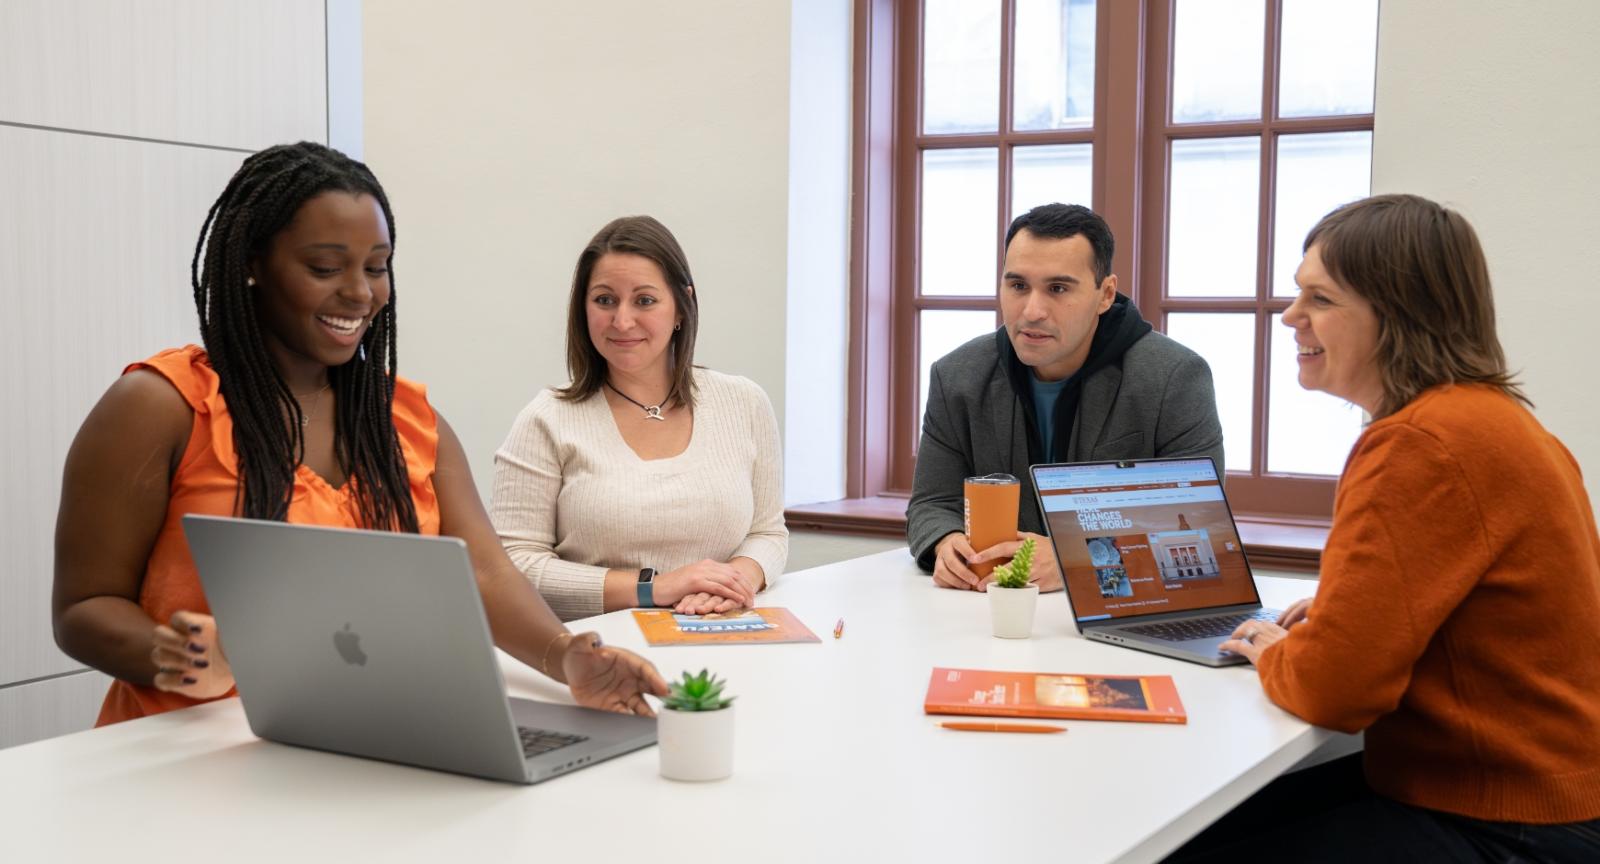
[[1330, 52], [1316, 173], [942, 331], [960, 66], [1212, 229], [1054, 81], [1308, 432], [1216, 60], [1228, 342], [1052, 173], [959, 192]]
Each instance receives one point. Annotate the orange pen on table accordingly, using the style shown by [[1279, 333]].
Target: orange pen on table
[[1003, 727]]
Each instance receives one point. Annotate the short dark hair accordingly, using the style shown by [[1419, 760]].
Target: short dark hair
[[632, 235], [1422, 268], [1060, 221]]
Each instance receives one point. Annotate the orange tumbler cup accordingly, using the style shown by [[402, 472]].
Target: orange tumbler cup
[[990, 509]]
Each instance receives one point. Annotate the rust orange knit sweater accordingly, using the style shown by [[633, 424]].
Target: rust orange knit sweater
[[1458, 616]]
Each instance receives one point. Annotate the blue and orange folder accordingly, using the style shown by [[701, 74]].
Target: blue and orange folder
[[746, 626]]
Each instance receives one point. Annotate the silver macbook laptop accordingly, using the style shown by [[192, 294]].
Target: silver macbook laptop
[[375, 644], [1150, 555]]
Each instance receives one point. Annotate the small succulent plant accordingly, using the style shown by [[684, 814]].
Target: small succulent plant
[[702, 692], [1015, 574]]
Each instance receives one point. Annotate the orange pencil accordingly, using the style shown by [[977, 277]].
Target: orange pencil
[[1002, 727]]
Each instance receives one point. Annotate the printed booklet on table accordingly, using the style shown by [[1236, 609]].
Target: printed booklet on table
[[769, 625], [1140, 698]]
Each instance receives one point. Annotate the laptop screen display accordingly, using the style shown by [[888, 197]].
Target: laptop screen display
[[1143, 537]]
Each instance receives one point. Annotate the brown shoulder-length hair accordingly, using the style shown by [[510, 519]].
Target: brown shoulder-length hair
[[634, 235], [1421, 267]]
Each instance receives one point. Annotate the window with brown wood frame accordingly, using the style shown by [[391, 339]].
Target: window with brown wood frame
[[1210, 134]]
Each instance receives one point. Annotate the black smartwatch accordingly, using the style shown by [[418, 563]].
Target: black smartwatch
[[647, 590]]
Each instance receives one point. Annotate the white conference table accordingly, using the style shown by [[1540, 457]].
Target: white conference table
[[834, 760]]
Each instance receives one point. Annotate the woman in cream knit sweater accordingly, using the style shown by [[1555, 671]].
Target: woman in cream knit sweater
[[646, 481]]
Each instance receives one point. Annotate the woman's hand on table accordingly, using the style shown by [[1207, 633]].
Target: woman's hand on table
[[609, 679], [705, 604], [189, 659], [713, 578]]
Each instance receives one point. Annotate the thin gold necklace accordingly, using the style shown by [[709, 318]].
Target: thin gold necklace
[[305, 417]]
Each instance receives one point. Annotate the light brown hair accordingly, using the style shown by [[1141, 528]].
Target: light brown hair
[[1421, 267], [632, 235]]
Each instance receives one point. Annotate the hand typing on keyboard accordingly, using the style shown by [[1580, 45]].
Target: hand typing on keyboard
[[1298, 611], [1253, 637]]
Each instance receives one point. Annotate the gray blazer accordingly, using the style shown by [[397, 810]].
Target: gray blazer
[[1157, 402]]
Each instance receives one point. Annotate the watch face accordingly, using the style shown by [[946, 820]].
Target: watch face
[[647, 574]]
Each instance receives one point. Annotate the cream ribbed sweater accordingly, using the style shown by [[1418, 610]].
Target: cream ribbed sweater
[[572, 499]]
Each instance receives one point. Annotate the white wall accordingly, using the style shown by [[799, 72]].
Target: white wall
[[819, 250], [1491, 108], [507, 133], [119, 125]]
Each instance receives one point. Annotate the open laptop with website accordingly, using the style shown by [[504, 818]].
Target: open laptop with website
[[375, 644], [1150, 555]]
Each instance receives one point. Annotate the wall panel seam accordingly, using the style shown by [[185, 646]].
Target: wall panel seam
[[327, 80], [67, 131], [26, 681]]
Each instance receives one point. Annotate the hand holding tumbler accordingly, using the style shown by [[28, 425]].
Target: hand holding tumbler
[[990, 514]]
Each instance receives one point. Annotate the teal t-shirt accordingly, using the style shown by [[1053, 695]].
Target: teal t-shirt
[[1045, 394]]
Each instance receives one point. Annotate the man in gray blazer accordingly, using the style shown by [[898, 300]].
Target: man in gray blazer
[[1074, 375]]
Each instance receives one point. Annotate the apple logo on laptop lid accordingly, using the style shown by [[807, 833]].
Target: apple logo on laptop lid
[[348, 643]]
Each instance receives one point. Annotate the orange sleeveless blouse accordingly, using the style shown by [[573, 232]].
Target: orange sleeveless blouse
[[206, 481]]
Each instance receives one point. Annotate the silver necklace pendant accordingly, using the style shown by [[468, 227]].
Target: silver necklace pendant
[[653, 412]]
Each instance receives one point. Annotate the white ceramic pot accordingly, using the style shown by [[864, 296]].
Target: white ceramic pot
[[1011, 610], [695, 745]]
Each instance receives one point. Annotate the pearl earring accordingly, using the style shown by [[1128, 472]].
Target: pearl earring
[[250, 281]]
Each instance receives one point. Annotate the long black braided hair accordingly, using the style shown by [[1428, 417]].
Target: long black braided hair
[[260, 200]]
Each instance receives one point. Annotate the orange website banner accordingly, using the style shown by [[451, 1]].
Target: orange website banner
[[1063, 696], [747, 626]]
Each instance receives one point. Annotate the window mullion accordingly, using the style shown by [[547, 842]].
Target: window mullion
[[1262, 401], [1008, 17]]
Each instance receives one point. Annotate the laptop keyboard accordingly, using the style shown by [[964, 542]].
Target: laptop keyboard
[[536, 742], [1200, 628]]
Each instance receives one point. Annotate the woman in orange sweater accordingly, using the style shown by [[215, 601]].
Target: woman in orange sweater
[[1457, 620], [292, 412]]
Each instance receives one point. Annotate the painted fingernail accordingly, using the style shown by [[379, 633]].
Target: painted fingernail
[[197, 648], [202, 664], [189, 680]]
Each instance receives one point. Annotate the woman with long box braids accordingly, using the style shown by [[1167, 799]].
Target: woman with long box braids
[[291, 412]]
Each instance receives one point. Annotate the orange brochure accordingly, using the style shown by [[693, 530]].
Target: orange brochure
[[1145, 699], [744, 627]]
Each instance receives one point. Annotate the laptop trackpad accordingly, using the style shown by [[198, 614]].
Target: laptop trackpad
[[1205, 650], [600, 726]]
